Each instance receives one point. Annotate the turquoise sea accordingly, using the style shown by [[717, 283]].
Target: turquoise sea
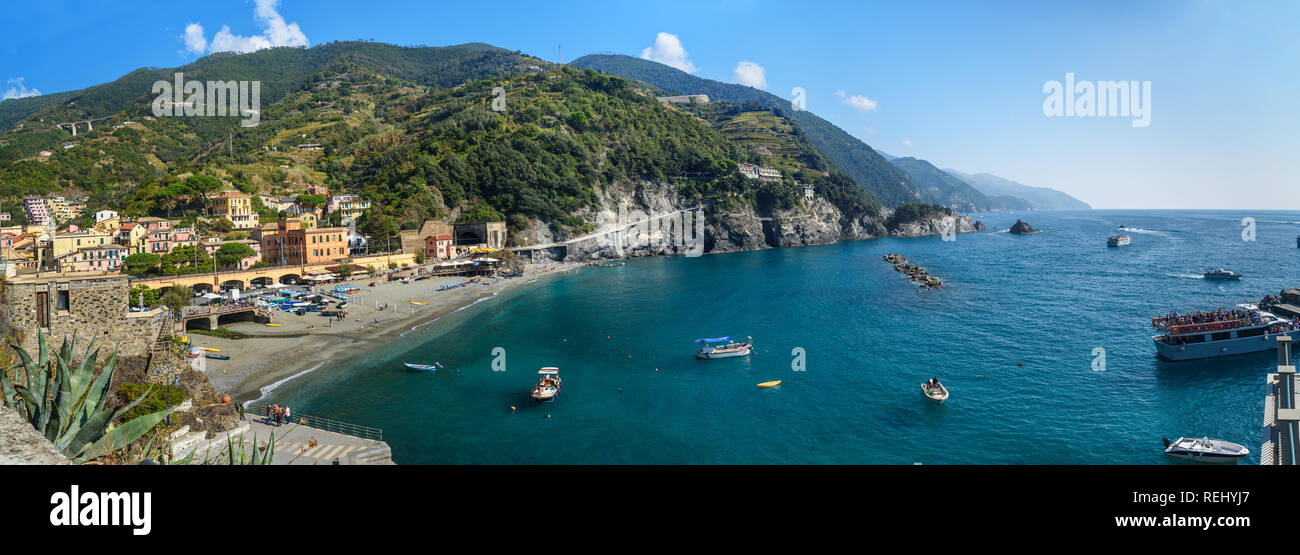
[[634, 394]]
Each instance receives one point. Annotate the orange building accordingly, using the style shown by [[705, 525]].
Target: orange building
[[289, 242]]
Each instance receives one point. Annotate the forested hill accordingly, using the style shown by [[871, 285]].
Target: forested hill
[[280, 70], [892, 186]]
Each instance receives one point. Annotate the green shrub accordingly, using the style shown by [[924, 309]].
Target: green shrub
[[161, 397]]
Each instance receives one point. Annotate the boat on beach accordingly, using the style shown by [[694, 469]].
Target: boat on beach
[[1205, 450], [1219, 274], [936, 393], [727, 350], [548, 385], [1118, 240], [1244, 329], [216, 357], [423, 367]]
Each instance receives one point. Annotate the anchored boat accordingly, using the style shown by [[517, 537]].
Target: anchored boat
[[548, 385], [1245, 329], [1205, 450], [423, 367], [728, 349], [1118, 240]]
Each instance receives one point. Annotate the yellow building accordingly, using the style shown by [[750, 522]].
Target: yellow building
[[236, 207], [72, 242]]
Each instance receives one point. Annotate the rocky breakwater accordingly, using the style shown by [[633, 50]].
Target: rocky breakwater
[[916, 274]]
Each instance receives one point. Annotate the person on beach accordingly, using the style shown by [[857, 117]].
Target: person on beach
[[286, 414], [240, 409]]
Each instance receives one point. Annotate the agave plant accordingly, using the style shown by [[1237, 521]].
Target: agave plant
[[66, 404]]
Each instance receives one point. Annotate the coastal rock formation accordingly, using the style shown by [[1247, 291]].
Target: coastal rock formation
[[937, 225], [816, 223], [729, 225], [1022, 227], [21, 444], [914, 273], [979, 226]]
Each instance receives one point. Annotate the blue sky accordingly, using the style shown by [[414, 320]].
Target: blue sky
[[957, 83]]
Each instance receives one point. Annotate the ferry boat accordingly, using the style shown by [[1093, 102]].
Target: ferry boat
[[1118, 240], [1205, 450], [1220, 274], [728, 350], [548, 385], [1246, 329]]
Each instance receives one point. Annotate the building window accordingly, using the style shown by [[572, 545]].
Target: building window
[[63, 301]]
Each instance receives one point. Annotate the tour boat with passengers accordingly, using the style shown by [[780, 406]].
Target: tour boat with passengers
[[729, 349], [1118, 240], [548, 385], [1244, 329]]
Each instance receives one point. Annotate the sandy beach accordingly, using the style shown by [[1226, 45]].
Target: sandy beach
[[270, 355]]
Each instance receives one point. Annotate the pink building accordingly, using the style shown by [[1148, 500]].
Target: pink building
[[210, 247], [438, 246], [105, 258]]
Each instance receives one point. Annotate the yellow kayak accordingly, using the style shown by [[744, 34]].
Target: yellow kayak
[[210, 349], [274, 325], [419, 303], [770, 384]]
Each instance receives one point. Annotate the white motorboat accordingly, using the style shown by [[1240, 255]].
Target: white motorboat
[[1118, 240], [728, 349], [423, 367], [1219, 274], [548, 385], [1205, 450]]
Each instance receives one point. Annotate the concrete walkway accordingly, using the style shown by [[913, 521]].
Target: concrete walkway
[[294, 445]]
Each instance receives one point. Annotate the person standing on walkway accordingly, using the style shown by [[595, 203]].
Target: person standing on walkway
[[286, 414]]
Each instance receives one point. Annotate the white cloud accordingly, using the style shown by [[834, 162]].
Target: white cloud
[[275, 32], [861, 103], [907, 142], [18, 90], [750, 74], [194, 40], [668, 50], [840, 93], [869, 130]]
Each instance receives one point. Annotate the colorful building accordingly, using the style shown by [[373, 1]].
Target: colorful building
[[211, 245], [438, 246], [236, 207], [106, 258], [289, 242]]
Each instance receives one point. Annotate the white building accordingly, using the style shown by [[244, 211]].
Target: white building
[[104, 215]]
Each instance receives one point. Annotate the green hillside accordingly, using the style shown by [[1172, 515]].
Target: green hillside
[[870, 170]]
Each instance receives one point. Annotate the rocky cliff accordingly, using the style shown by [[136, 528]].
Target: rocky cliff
[[650, 219]]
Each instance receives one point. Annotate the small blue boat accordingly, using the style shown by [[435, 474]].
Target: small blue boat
[[423, 367], [216, 357]]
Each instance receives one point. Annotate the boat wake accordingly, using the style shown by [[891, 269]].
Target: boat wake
[[1187, 276], [1137, 230]]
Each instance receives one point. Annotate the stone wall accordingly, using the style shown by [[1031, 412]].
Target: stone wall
[[96, 308]]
